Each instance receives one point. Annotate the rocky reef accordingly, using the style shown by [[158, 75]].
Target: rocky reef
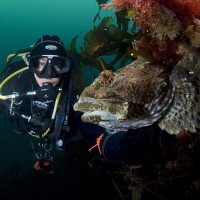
[[169, 34], [165, 27]]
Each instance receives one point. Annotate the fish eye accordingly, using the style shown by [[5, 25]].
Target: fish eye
[[106, 76]]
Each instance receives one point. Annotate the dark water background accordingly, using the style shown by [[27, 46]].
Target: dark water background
[[22, 22]]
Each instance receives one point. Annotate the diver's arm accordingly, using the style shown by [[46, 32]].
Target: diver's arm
[[89, 131]]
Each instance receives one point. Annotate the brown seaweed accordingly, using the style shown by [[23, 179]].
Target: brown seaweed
[[106, 39]]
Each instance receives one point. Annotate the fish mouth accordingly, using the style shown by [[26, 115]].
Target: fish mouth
[[96, 110]]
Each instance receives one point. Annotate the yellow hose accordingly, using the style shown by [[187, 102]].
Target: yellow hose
[[12, 55], [4, 97]]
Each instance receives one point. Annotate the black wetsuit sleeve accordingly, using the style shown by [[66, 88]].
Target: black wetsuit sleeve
[[89, 131]]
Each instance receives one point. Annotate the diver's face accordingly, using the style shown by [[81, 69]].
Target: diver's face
[[41, 81]]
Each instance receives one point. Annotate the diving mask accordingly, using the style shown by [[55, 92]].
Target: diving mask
[[49, 66]]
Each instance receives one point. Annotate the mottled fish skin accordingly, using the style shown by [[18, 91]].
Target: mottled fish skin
[[141, 94], [184, 111]]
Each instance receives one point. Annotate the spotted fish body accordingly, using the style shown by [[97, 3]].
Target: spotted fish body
[[141, 94], [184, 112]]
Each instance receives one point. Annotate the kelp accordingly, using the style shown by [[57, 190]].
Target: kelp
[[106, 39], [122, 19]]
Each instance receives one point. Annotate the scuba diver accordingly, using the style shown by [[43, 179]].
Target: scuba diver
[[40, 91]]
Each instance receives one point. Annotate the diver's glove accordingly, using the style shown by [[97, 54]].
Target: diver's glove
[[111, 146]]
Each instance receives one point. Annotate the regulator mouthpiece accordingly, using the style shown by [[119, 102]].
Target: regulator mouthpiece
[[47, 92]]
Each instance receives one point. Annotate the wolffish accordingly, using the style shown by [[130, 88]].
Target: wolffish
[[141, 94]]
